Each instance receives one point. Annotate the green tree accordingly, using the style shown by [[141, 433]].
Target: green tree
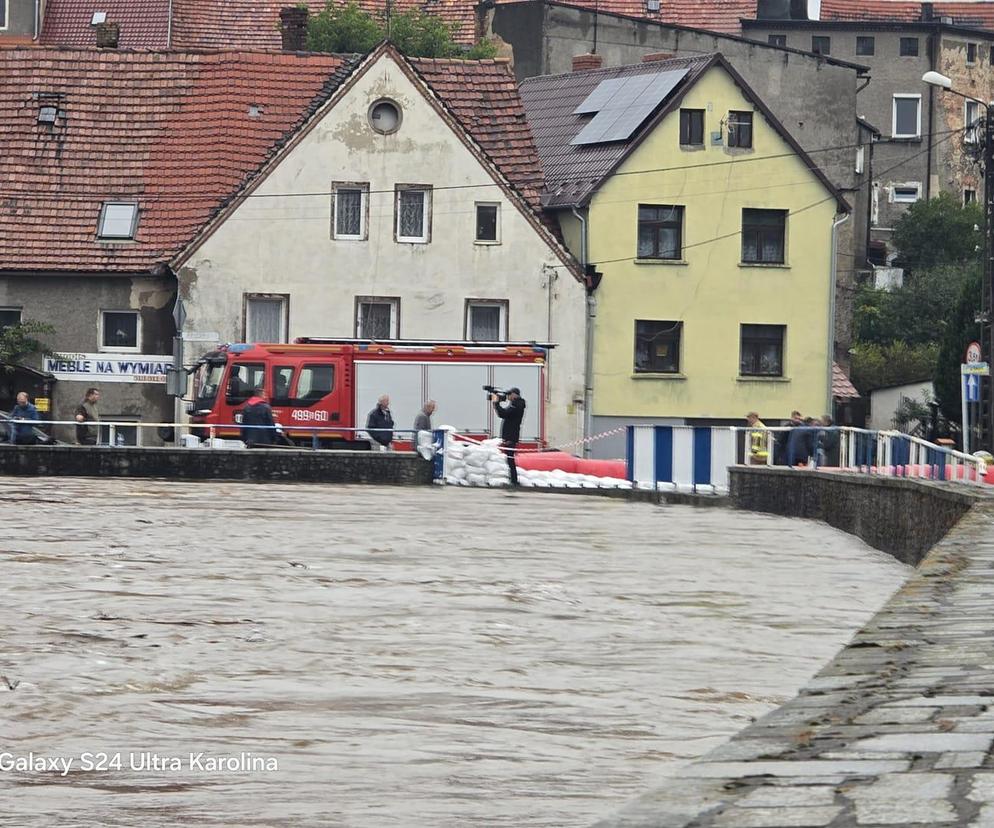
[[21, 340], [349, 29], [960, 329], [343, 30], [939, 231], [915, 313], [876, 366]]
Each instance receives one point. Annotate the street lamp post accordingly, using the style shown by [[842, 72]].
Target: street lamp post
[[987, 318]]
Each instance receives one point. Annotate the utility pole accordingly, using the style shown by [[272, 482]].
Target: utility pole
[[986, 318]]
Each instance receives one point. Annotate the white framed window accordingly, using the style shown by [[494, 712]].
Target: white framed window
[[969, 196], [486, 320], [487, 222], [9, 317], [377, 317], [350, 210], [413, 213], [120, 330], [906, 193], [118, 220], [907, 116], [971, 114], [266, 317]]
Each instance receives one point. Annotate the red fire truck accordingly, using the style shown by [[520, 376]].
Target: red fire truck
[[327, 387]]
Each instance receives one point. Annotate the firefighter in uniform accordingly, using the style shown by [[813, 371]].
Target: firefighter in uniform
[[759, 440]]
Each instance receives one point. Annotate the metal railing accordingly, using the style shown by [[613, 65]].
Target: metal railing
[[858, 450], [112, 427]]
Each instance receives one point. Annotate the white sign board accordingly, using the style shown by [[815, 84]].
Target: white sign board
[[98, 368], [980, 369]]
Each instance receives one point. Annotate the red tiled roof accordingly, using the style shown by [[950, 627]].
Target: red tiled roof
[[842, 388], [144, 23], [214, 24], [483, 95], [172, 131], [978, 15]]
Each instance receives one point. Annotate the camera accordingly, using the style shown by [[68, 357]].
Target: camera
[[500, 392]]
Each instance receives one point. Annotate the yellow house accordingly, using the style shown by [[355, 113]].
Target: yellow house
[[708, 236]]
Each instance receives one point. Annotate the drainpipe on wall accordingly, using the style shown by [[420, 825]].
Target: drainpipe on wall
[[588, 360], [838, 222], [37, 19], [169, 26]]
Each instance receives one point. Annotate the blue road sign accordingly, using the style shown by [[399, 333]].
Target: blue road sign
[[972, 386]]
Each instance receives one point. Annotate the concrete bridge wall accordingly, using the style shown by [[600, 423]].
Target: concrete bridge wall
[[286, 465]]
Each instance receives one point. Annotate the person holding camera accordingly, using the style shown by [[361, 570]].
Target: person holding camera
[[511, 411]]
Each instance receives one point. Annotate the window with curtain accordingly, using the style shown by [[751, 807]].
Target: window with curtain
[[265, 318]]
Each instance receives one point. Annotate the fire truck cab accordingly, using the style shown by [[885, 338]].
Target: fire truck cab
[[323, 389]]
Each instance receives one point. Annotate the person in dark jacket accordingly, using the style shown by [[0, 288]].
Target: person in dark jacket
[[258, 413], [379, 425], [828, 443], [511, 413], [23, 434], [87, 412], [783, 438]]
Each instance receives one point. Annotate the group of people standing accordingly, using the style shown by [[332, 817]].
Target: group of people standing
[[86, 413], [807, 439], [510, 410]]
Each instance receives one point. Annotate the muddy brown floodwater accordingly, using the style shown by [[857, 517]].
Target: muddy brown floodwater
[[402, 657]]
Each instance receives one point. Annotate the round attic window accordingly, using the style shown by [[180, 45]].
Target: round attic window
[[384, 116]]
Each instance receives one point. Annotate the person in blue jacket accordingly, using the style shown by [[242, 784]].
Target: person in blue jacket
[[23, 434]]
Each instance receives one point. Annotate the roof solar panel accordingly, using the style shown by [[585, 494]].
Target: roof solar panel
[[628, 107], [602, 94]]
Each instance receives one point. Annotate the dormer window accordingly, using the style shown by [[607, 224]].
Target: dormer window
[[98, 18], [118, 220]]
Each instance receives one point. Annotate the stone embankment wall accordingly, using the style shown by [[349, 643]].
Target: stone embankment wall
[[284, 466], [898, 729]]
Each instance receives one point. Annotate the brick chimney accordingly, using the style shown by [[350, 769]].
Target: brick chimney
[[293, 28], [589, 61], [654, 56], [108, 35]]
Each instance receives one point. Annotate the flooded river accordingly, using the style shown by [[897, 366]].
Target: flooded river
[[240, 654]]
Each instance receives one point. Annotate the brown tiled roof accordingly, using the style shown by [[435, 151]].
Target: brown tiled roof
[[573, 172], [483, 95], [842, 388], [144, 23], [172, 131]]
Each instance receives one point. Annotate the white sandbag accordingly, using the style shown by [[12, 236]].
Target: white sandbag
[[459, 472], [476, 480], [496, 466]]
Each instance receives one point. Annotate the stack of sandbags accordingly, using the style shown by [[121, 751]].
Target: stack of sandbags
[[475, 464]]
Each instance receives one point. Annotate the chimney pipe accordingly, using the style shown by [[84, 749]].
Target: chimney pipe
[[588, 61], [108, 35], [293, 28]]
